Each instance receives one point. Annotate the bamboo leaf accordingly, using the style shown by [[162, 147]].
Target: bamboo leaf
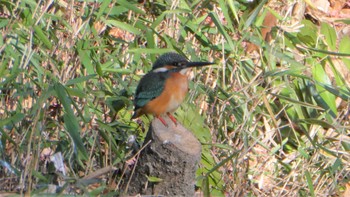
[[224, 8], [205, 187], [85, 56], [327, 97], [130, 6], [344, 47], [254, 14], [17, 117], [42, 37], [80, 79], [222, 30], [70, 121], [154, 179], [310, 184], [330, 35], [102, 8], [149, 51]]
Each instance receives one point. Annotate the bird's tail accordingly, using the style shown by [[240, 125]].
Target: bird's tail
[[136, 114]]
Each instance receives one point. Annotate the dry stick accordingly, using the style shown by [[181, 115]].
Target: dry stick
[[99, 172], [133, 170], [89, 163]]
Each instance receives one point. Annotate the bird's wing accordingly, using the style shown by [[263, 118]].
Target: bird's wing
[[150, 87]]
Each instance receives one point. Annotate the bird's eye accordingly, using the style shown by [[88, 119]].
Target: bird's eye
[[179, 64]]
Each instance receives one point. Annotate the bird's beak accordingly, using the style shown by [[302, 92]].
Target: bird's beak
[[198, 64]]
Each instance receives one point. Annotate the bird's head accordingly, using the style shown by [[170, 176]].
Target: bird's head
[[175, 61]]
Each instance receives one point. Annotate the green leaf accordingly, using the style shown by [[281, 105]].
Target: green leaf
[[130, 6], [278, 147], [106, 132], [291, 100], [150, 39], [42, 37], [122, 71], [158, 20], [150, 51], [345, 21], [343, 93], [192, 27], [328, 98], [39, 175], [154, 179], [102, 8], [80, 79], [27, 17], [296, 67], [302, 152], [326, 52], [224, 7], [70, 121], [190, 118], [314, 121], [254, 14], [337, 165], [3, 23], [17, 117], [308, 34], [99, 69], [309, 183], [233, 9], [346, 145], [222, 162], [184, 5], [76, 92], [85, 56], [220, 146], [205, 187], [344, 47], [5, 136], [222, 30], [330, 35]]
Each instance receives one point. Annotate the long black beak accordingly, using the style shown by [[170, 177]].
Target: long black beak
[[198, 64]]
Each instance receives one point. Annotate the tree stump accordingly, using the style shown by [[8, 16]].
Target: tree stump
[[173, 156]]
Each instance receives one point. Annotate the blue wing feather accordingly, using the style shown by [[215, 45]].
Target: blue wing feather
[[150, 87]]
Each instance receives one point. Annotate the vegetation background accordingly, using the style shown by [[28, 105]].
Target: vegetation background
[[274, 111]]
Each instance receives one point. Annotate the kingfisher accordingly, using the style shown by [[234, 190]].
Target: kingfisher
[[162, 90]]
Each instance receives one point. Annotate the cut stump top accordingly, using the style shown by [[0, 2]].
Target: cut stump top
[[177, 135]]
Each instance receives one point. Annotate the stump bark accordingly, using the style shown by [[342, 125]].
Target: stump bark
[[173, 156]]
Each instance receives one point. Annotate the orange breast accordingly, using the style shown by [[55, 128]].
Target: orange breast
[[175, 90]]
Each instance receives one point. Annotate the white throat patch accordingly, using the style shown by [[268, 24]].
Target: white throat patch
[[184, 71]]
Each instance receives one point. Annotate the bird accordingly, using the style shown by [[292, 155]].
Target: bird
[[162, 90]]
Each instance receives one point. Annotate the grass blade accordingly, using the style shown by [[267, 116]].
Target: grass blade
[[70, 121]]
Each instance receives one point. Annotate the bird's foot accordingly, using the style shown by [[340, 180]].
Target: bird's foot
[[172, 118], [163, 121]]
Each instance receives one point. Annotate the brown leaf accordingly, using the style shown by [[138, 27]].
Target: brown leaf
[[121, 34]]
